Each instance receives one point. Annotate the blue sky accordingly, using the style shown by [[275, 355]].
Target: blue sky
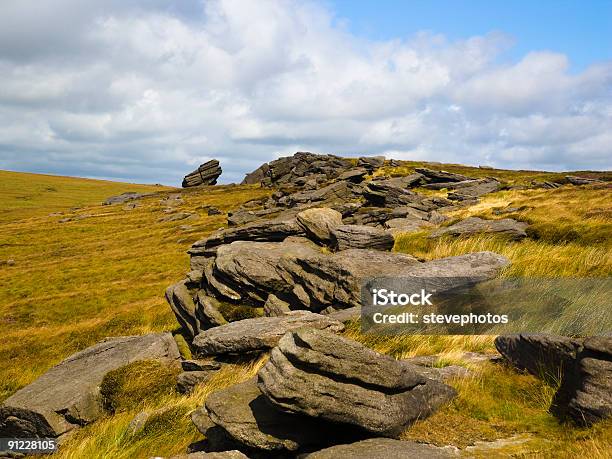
[[145, 90], [580, 29]]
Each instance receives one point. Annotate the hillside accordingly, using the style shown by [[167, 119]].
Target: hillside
[[81, 271]]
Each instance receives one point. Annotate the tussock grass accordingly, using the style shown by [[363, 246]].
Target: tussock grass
[[104, 275]]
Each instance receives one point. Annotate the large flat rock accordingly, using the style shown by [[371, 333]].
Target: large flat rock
[[258, 334], [68, 395]]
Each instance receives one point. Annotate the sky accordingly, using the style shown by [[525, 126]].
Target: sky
[[145, 90]]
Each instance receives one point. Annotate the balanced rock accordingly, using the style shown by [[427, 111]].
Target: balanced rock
[[319, 374], [473, 225], [68, 395], [319, 223], [383, 448], [206, 174], [258, 334]]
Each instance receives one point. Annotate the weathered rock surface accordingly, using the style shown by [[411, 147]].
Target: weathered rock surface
[[319, 223], [124, 197], [259, 333], [68, 395], [582, 180], [441, 176], [371, 162], [383, 448], [206, 174], [361, 237], [585, 394], [309, 279], [274, 306], [244, 416], [406, 225], [354, 175], [473, 225], [479, 188], [232, 454], [542, 355], [325, 376], [187, 380]]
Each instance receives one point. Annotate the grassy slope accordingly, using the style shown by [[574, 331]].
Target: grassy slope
[[76, 282]]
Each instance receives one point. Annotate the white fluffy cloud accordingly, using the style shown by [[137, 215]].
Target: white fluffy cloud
[[144, 91]]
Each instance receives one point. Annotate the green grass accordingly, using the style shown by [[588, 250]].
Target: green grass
[[74, 283]]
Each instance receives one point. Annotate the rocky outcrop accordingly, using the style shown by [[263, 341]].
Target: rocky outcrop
[[307, 278], [258, 334], [68, 395], [321, 375], [584, 366], [542, 355], [585, 395], [473, 225], [383, 448], [361, 237], [476, 189], [582, 180]]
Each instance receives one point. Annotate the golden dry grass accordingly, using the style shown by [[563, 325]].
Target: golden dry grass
[[76, 282]]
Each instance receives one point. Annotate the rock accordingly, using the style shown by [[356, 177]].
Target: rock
[[345, 315], [441, 176], [138, 423], [454, 185], [318, 223], [68, 395], [354, 175], [406, 225], [435, 218], [371, 162], [275, 306], [585, 395], [481, 187], [206, 174], [124, 197], [542, 355], [361, 237], [258, 334], [200, 365], [473, 225], [309, 279], [213, 211], [383, 448], [269, 230], [319, 374], [342, 190], [187, 380], [582, 180], [233, 454], [193, 314], [245, 417]]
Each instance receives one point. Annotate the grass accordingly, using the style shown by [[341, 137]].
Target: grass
[[74, 283]]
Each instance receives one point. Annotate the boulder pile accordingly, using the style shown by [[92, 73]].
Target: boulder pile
[[206, 174]]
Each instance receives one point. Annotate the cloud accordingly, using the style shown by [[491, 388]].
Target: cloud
[[138, 90]]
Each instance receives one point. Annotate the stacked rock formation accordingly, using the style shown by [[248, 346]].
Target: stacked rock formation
[[314, 384], [583, 364], [206, 174], [270, 259]]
